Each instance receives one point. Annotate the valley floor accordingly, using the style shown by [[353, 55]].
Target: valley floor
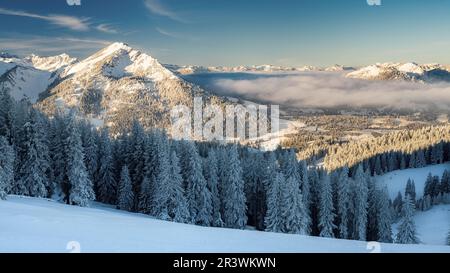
[[40, 225]]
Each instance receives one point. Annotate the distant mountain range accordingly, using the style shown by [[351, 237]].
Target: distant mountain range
[[192, 69], [118, 83], [425, 73]]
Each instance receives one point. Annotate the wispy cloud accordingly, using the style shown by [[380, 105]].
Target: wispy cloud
[[44, 45], [156, 7], [70, 22], [167, 33], [107, 28]]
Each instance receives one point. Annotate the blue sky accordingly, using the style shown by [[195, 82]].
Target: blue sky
[[234, 32]]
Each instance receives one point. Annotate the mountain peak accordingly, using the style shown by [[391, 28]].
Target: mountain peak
[[116, 46]]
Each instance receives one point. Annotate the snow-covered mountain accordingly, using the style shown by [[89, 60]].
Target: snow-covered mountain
[[119, 84], [30, 76], [403, 71], [52, 63]]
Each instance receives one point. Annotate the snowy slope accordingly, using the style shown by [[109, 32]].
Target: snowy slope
[[25, 81], [39, 225], [396, 180]]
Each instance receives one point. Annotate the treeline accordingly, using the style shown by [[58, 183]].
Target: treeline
[[393, 151], [436, 191], [207, 184]]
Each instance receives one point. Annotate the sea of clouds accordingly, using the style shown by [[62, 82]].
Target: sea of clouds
[[326, 90]]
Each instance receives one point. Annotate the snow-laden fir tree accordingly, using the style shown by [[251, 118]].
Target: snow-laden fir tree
[[397, 204], [448, 238], [314, 182], [161, 177], [6, 114], [384, 219], [58, 154], [35, 160], [235, 207], [91, 153], [176, 204], [293, 209], [274, 216], [445, 182], [145, 194], [326, 214], [343, 203], [7, 156], [136, 156], [372, 210], [305, 189], [125, 197], [106, 184], [211, 169], [360, 194], [411, 190], [198, 195], [407, 233], [81, 189]]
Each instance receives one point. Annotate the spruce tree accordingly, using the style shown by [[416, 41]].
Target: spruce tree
[[235, 207], [91, 154], [448, 238], [326, 214], [176, 204], [445, 182], [6, 167], [125, 198], [6, 114], [212, 177], [407, 233], [360, 192], [411, 190], [384, 217], [274, 217], [343, 200], [145, 196], [199, 197], [293, 209], [35, 162], [81, 189], [106, 184], [306, 192]]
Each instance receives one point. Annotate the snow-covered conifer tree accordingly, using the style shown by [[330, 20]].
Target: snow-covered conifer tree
[[384, 217], [81, 189], [326, 214], [343, 202], [407, 233], [360, 194], [106, 184], [125, 198], [197, 193], [6, 167], [274, 217], [235, 207], [212, 177]]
